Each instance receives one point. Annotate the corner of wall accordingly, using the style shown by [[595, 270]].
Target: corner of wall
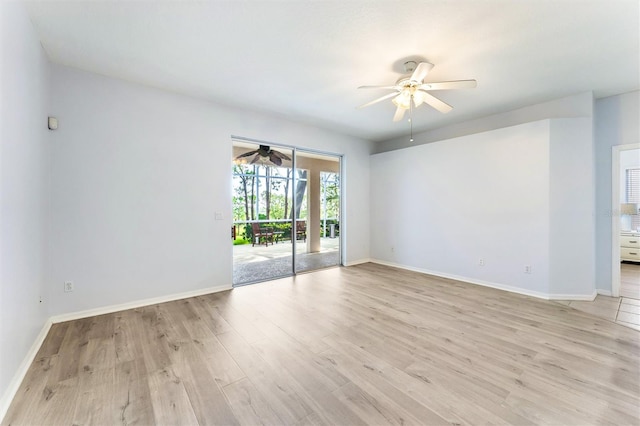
[[24, 194]]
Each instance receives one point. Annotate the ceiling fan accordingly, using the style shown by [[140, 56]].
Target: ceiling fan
[[263, 154], [411, 89]]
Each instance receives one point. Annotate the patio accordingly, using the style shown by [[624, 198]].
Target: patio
[[258, 263]]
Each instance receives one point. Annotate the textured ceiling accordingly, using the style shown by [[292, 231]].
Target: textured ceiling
[[304, 60]]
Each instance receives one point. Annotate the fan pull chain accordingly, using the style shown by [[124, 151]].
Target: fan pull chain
[[411, 118]]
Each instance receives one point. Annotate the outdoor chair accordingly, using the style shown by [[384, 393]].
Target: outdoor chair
[[301, 230], [261, 235]]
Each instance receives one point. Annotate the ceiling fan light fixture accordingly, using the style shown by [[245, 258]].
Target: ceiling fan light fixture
[[419, 97], [403, 100], [411, 90]]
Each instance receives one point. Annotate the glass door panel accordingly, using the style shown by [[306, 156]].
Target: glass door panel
[[318, 224], [262, 191]]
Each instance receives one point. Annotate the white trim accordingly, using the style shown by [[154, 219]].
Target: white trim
[[136, 304], [615, 214], [580, 297], [344, 225], [18, 377], [603, 292], [358, 262], [518, 290]]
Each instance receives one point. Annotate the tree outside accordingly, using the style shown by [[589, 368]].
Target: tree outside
[[263, 192]]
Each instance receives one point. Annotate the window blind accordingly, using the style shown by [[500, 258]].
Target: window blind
[[633, 193]]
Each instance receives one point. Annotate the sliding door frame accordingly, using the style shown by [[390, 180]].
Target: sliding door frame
[[294, 155], [340, 158]]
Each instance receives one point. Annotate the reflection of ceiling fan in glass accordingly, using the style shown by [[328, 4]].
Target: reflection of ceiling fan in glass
[[411, 90], [264, 154]]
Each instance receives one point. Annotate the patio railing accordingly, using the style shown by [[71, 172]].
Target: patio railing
[[243, 228]]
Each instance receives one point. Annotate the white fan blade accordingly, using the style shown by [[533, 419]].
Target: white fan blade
[[399, 114], [447, 85], [421, 71], [437, 103], [379, 87], [378, 100]]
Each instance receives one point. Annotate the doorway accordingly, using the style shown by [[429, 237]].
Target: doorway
[[286, 210], [625, 280]]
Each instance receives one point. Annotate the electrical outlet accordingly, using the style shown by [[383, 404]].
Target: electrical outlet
[[68, 286], [527, 269], [481, 262]]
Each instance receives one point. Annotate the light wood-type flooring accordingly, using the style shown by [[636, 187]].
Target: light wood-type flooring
[[361, 345], [630, 280]]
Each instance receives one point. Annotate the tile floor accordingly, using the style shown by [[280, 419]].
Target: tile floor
[[252, 264], [621, 310], [624, 310]]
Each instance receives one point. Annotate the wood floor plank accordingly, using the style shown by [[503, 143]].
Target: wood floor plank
[[31, 395], [239, 323], [249, 406], [312, 419], [123, 336], [207, 399], [221, 365], [131, 395], [58, 404], [368, 344], [282, 395], [95, 404], [372, 410], [53, 341], [573, 398], [367, 378], [169, 399], [211, 318], [133, 404], [71, 349], [438, 397]]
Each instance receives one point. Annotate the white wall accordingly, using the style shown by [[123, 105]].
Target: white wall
[[516, 196], [572, 195], [578, 105], [137, 176], [24, 199], [616, 122], [442, 206]]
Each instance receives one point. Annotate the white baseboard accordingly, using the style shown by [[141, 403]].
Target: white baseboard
[[18, 377], [498, 286], [604, 292], [578, 297], [136, 304], [357, 262]]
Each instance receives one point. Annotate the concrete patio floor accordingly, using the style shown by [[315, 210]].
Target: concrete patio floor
[[259, 263]]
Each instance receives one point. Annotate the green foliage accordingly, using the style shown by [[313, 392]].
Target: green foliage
[[330, 191], [256, 185], [329, 223], [240, 241]]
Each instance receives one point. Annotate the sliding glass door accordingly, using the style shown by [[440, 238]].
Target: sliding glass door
[[319, 244], [262, 206], [286, 211]]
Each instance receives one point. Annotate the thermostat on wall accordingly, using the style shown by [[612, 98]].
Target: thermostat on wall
[[53, 123]]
